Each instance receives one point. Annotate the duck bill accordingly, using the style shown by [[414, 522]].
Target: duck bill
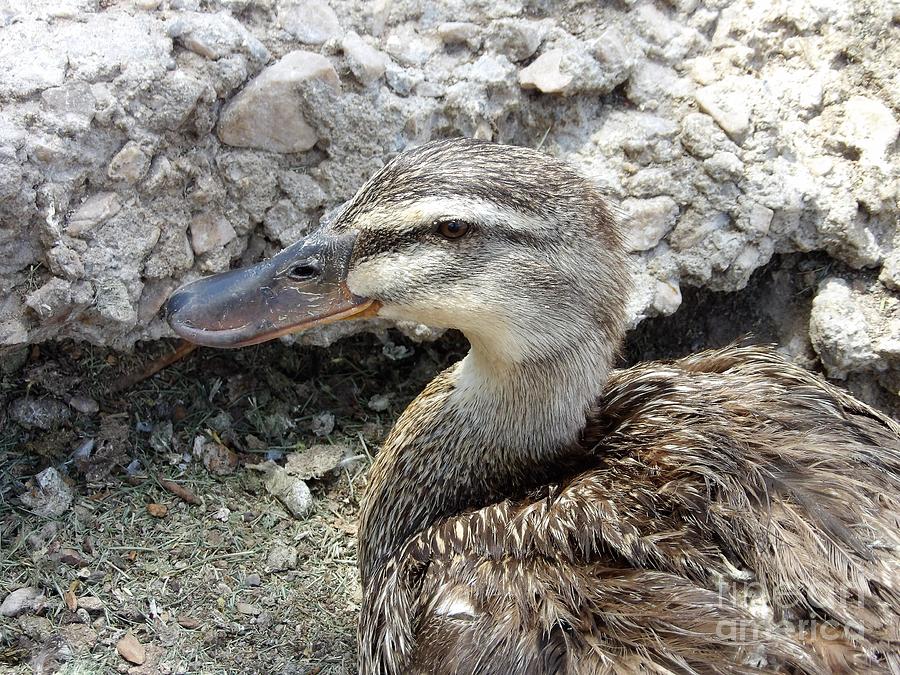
[[303, 286]]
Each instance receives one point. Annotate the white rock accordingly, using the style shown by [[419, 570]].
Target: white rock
[[517, 39], [22, 600], [215, 36], [210, 231], [458, 32], [546, 73], [490, 69], [409, 47], [310, 21], [366, 63], [870, 126], [839, 331], [51, 300], [266, 115], [724, 166], [95, 210], [890, 271], [726, 103], [647, 221], [614, 52], [51, 497], [667, 298], [290, 491], [130, 164]]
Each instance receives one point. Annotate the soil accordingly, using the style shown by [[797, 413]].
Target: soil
[[234, 583]]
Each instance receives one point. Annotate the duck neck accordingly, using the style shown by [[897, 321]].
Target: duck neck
[[486, 429]]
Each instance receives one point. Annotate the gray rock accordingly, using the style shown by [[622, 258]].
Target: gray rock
[[215, 36], [130, 163], [839, 331], [39, 413], [366, 63], [310, 21], [50, 497], [516, 39], [647, 221], [210, 231], [281, 557], [460, 32], [266, 113], [22, 601]]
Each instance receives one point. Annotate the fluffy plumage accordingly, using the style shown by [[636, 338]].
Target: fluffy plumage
[[535, 511]]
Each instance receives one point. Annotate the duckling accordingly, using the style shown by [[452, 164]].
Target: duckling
[[534, 509]]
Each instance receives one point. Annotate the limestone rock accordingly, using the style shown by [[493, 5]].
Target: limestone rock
[[546, 74], [839, 331], [366, 63], [209, 232], [726, 103], [870, 127], [21, 601], [647, 221], [310, 21], [215, 36], [130, 163], [266, 113]]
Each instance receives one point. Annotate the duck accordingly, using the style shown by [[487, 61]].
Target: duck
[[537, 509]]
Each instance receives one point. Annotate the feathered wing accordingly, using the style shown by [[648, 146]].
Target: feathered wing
[[742, 515]]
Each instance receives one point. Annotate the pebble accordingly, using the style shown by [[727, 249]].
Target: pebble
[[839, 331], [52, 300], [647, 221], [50, 497], [366, 63], [215, 36], [281, 558], [96, 209], [22, 600], [158, 510], [870, 126], [726, 103], [890, 270], [379, 402], [546, 73], [315, 461], [265, 114], [322, 424], [218, 459], [130, 164], [460, 32], [84, 404], [517, 39], [210, 232], [310, 21], [247, 608], [90, 603], [130, 649], [290, 491]]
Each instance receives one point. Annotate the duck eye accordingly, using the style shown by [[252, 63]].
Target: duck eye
[[303, 272], [452, 229]]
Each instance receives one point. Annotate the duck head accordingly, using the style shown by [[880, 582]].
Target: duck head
[[511, 246]]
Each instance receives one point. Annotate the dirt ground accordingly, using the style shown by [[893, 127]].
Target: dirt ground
[[171, 538]]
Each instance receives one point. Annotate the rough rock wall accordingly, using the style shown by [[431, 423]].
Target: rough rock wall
[[144, 143]]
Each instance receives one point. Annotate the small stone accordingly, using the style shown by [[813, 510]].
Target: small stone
[[379, 402], [218, 459], [90, 603], [52, 300], [265, 114], [131, 649], [727, 106], [158, 510], [458, 32], [724, 166], [839, 331], [281, 558], [247, 608], [517, 39], [322, 424], [648, 221], [215, 36], [188, 622], [310, 21], [890, 270], [210, 232], [289, 490], [252, 581], [315, 461], [546, 73], [95, 210], [870, 127], [39, 413], [22, 600], [667, 298], [366, 63], [113, 303], [700, 135], [50, 497], [130, 164]]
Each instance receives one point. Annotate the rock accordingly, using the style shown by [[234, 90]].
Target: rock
[[839, 331], [246, 608], [315, 461], [84, 404], [210, 232], [366, 63], [218, 459], [322, 424], [310, 21], [130, 163], [379, 402], [281, 558], [546, 73], [96, 209], [158, 510], [890, 271], [39, 413], [870, 127], [289, 490], [90, 604], [265, 114], [52, 300], [460, 32], [648, 221], [131, 649], [50, 497], [215, 36], [516, 39], [726, 103], [22, 601]]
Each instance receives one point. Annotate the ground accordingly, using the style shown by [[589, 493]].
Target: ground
[[235, 582]]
